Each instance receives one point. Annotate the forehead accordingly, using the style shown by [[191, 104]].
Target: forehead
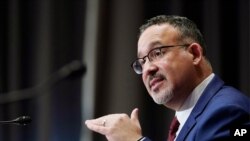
[[155, 36]]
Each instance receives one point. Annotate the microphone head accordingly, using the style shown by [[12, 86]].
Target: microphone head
[[23, 120], [72, 70]]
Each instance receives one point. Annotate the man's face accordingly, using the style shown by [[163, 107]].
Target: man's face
[[169, 76]]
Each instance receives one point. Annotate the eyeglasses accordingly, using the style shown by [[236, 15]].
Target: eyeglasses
[[153, 55]]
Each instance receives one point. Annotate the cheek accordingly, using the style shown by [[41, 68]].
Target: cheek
[[177, 73], [175, 62], [174, 69], [144, 79], [167, 67]]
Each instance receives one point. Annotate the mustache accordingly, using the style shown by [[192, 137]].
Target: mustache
[[156, 75]]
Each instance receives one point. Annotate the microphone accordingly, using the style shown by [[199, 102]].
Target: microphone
[[23, 120], [69, 71]]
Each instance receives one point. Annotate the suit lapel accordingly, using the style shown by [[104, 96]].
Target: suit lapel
[[208, 93]]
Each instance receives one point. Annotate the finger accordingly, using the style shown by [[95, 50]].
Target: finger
[[97, 121], [91, 124], [134, 115]]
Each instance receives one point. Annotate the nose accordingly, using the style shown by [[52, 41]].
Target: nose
[[149, 68]]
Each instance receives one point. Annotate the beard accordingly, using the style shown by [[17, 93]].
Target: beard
[[163, 97]]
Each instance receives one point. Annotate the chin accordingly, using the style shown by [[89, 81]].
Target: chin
[[162, 98], [161, 102]]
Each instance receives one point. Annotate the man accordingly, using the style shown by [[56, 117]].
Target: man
[[174, 68]]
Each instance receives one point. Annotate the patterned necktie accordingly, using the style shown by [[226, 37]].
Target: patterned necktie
[[173, 129]]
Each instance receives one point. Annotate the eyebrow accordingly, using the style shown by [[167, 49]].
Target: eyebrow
[[151, 46]]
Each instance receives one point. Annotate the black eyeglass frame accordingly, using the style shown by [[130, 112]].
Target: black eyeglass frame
[[137, 62]]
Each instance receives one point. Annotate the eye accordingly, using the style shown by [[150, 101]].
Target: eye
[[155, 53]]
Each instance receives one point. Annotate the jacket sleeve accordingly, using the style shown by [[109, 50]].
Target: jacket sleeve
[[218, 126]]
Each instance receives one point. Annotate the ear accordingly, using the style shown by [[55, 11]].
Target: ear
[[196, 51]]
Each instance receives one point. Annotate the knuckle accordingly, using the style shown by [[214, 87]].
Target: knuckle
[[120, 118], [123, 116]]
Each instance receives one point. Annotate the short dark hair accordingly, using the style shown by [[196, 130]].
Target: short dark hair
[[188, 29]]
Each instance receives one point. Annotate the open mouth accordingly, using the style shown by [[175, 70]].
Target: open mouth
[[155, 83]]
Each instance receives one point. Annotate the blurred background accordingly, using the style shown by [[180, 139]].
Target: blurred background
[[40, 37]]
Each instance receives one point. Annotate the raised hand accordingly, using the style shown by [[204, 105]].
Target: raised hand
[[117, 127]]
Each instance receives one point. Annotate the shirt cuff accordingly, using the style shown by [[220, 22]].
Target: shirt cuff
[[141, 139]]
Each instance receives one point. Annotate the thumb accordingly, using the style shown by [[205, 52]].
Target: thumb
[[134, 116]]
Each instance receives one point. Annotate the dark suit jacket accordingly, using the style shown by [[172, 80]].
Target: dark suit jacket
[[219, 109]]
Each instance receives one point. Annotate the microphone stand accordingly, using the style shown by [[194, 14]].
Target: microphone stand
[[73, 69], [23, 120]]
